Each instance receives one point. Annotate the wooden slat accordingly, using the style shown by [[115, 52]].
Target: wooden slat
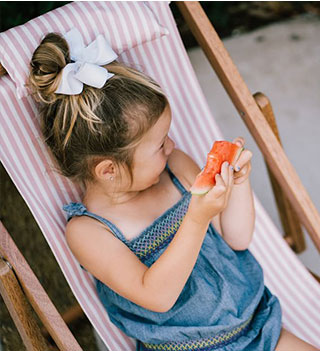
[[244, 102], [73, 314], [2, 70], [289, 218], [316, 277], [36, 295], [20, 310]]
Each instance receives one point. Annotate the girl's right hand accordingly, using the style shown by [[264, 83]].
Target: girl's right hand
[[203, 208]]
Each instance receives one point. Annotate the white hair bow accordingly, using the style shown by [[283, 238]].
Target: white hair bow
[[87, 66]]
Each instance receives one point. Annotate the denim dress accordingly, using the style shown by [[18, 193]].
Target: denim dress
[[223, 306]]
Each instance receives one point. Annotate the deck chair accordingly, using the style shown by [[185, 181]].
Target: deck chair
[[164, 57]]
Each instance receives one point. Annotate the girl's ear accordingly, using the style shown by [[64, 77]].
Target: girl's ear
[[105, 170]]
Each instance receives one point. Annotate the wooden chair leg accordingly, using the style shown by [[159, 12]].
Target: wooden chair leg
[[20, 310], [289, 218]]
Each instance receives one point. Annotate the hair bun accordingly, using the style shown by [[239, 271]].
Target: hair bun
[[50, 57]]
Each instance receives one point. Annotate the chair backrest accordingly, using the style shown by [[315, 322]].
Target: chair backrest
[[28, 163]]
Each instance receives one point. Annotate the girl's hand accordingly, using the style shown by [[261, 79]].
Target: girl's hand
[[242, 167], [203, 208]]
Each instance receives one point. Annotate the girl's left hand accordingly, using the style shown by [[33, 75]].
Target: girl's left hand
[[242, 168]]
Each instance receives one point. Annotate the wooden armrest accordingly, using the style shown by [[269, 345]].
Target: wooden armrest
[[36, 295], [244, 102]]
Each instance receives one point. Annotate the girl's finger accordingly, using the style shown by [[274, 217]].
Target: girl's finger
[[219, 180], [245, 157], [231, 172], [225, 172], [240, 141], [243, 171], [220, 188], [243, 174]]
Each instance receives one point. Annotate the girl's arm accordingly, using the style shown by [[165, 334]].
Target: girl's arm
[[237, 220], [113, 263]]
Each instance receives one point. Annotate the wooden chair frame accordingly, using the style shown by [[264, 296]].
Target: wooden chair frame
[[21, 292], [18, 284]]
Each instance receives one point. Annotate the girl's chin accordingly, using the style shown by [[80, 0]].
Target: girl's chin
[[152, 183], [156, 181]]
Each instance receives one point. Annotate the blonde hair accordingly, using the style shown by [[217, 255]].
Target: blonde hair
[[83, 129]]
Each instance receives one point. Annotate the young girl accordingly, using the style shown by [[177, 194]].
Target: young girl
[[172, 270]]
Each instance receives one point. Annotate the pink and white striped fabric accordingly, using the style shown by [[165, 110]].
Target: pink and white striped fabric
[[28, 163], [90, 18]]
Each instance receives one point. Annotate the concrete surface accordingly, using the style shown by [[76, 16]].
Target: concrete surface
[[282, 61]]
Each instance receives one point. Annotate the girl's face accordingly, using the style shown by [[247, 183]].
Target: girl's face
[[152, 153]]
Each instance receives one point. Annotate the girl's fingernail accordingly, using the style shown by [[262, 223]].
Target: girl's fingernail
[[237, 168], [231, 168]]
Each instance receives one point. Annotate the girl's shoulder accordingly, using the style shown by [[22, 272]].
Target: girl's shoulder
[[183, 167], [78, 227]]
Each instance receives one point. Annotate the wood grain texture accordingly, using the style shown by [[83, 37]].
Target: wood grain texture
[[259, 128], [36, 295], [20, 310]]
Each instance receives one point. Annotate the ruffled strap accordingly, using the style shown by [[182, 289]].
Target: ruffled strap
[[75, 209]]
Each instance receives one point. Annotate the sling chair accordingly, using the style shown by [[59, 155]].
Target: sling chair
[[145, 35]]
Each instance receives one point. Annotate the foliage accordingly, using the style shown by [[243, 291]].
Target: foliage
[[14, 13], [227, 16]]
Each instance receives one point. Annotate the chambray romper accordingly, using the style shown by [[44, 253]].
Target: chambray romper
[[223, 306]]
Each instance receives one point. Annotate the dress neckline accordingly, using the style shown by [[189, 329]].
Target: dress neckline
[[158, 219], [79, 209]]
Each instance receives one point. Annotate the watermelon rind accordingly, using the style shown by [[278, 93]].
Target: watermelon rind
[[202, 192], [237, 156]]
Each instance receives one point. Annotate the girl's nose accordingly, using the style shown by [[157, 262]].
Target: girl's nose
[[169, 146]]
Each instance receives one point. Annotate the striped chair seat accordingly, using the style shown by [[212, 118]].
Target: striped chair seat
[[193, 129]]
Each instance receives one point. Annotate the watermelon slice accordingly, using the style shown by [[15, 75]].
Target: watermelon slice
[[221, 151]]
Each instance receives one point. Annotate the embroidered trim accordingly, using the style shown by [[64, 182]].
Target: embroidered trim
[[161, 232], [208, 344]]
